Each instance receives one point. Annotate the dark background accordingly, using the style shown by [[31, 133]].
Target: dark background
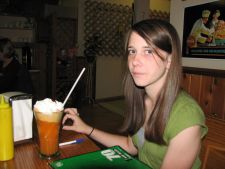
[[34, 8]]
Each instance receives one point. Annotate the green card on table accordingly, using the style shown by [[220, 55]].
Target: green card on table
[[111, 158]]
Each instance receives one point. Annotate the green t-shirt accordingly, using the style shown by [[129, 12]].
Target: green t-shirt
[[185, 113]]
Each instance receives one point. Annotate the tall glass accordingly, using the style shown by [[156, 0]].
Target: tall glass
[[48, 126]]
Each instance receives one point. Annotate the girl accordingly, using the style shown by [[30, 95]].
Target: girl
[[164, 124]]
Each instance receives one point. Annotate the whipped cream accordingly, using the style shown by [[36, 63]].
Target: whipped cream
[[47, 106]]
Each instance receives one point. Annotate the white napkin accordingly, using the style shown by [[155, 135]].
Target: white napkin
[[22, 119]]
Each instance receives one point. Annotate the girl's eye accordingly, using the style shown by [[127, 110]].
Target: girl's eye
[[148, 51], [131, 51]]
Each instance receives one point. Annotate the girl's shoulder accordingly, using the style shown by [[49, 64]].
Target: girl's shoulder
[[185, 113], [185, 100]]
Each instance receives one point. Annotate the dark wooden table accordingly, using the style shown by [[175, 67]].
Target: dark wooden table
[[27, 157]]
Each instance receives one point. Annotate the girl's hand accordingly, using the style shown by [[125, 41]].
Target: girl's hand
[[78, 124]]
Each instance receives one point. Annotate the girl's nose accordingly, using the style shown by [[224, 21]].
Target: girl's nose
[[136, 60]]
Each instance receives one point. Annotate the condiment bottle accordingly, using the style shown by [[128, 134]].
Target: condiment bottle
[[6, 131]]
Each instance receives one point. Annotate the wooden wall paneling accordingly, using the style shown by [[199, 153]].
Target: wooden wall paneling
[[213, 148], [185, 84], [195, 86], [212, 100], [218, 100], [206, 94], [215, 157]]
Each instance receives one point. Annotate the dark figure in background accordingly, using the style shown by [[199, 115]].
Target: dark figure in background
[[13, 75]]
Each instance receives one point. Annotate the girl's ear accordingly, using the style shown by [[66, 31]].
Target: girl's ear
[[168, 60]]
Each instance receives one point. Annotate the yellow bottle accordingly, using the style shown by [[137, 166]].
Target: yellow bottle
[[6, 131]]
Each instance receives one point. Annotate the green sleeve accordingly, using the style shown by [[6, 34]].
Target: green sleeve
[[185, 113]]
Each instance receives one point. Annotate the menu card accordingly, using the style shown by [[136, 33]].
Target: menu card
[[111, 158]]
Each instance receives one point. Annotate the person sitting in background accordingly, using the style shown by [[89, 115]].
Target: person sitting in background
[[13, 75], [165, 125]]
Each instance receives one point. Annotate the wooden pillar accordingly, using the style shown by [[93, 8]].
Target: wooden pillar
[[141, 10]]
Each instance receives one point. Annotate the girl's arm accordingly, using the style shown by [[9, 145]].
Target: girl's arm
[[183, 149]]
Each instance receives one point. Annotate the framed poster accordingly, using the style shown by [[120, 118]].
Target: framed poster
[[204, 31]]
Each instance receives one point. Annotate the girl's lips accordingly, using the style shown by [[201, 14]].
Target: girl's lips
[[137, 74]]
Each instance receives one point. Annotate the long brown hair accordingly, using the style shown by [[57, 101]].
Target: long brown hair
[[159, 35]]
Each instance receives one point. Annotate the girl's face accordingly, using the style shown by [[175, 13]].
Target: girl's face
[[145, 66]]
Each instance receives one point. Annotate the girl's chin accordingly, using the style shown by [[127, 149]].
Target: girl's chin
[[139, 84]]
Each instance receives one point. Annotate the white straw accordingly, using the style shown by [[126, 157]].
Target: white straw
[[75, 83]]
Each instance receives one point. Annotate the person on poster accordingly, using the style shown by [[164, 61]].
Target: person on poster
[[200, 34], [214, 24], [219, 29], [219, 35], [215, 20]]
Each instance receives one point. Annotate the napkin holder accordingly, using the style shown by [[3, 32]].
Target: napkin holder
[[22, 114]]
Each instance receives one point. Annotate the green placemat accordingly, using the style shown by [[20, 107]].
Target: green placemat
[[111, 158]]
